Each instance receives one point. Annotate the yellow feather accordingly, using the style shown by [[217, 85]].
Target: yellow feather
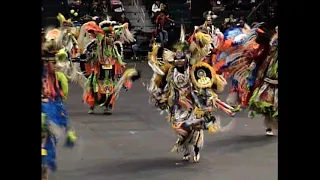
[[61, 18]]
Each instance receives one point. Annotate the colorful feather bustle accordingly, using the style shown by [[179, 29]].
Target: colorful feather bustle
[[232, 55]]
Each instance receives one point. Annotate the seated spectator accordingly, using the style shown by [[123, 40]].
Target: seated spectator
[[155, 9], [163, 8], [161, 20], [96, 9]]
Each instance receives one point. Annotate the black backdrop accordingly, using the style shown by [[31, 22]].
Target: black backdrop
[[51, 8], [197, 9]]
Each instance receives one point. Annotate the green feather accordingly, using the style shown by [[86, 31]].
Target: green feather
[[64, 83], [62, 55], [43, 120]]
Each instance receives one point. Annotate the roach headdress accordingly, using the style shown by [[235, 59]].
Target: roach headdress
[[51, 48], [180, 49]]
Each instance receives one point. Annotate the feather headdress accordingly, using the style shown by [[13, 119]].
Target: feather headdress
[[107, 25], [123, 34], [209, 15], [51, 48], [83, 38], [181, 45], [107, 22]]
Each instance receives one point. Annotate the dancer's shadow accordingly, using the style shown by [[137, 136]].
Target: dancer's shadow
[[238, 143]]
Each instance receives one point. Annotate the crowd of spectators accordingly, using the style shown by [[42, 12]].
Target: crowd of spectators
[[98, 8], [233, 4], [231, 21], [161, 18]]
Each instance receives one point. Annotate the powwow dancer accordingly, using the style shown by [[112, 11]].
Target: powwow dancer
[[54, 91], [228, 57], [244, 70], [265, 96], [106, 73], [248, 66], [186, 93]]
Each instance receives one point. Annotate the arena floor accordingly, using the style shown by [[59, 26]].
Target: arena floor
[[134, 143]]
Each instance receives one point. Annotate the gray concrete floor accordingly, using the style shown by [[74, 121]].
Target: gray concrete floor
[[134, 143]]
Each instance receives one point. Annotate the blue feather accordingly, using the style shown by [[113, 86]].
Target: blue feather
[[232, 33], [50, 158]]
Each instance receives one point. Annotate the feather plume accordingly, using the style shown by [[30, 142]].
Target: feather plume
[[124, 35], [63, 67], [223, 129], [128, 35], [127, 76], [82, 36], [153, 61], [247, 27], [61, 19], [168, 55], [182, 34], [119, 51], [107, 22], [62, 55], [77, 77], [64, 84], [220, 83]]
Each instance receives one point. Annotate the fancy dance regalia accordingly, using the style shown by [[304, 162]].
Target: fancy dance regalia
[[228, 47], [186, 93], [228, 58], [105, 60], [265, 97], [244, 69], [247, 66], [54, 91], [65, 37]]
